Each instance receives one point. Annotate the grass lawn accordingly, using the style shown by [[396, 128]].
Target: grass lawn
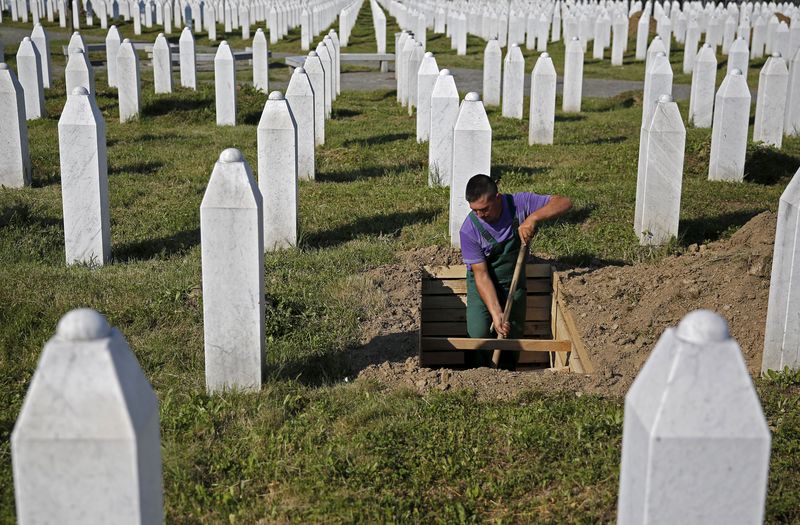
[[311, 446]]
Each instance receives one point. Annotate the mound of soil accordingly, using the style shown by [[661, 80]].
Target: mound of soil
[[620, 311]]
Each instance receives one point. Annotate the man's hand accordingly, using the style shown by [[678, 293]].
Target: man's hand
[[527, 230], [502, 329]]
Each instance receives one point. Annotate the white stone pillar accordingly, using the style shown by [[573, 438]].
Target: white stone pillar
[[693, 422], [316, 75], [231, 222], [162, 65], [492, 57], [42, 42], [300, 96], [86, 447], [77, 73], [129, 90], [277, 173], [244, 19], [84, 180], [690, 45], [188, 59], [472, 155], [29, 69], [408, 48], [782, 337], [543, 101], [15, 170], [738, 56], [426, 79], [212, 25], [513, 83], [791, 120], [327, 68], [260, 61], [658, 186], [618, 41], [225, 85], [444, 113], [642, 32], [704, 77], [729, 130], [412, 69], [771, 102], [573, 77], [112, 49], [331, 40], [657, 82]]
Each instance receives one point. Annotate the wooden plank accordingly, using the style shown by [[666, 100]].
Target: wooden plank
[[458, 301], [460, 270], [530, 358], [459, 286], [443, 315], [524, 345], [577, 343], [428, 359], [459, 329]]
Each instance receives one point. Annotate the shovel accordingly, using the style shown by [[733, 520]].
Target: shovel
[[523, 252]]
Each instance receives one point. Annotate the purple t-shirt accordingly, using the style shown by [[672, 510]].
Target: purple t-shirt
[[475, 249]]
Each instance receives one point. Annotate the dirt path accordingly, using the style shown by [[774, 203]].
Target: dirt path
[[620, 311]]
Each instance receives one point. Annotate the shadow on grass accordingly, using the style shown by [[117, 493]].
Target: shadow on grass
[[569, 118], [377, 139], [164, 106], [768, 165], [345, 113], [23, 215], [177, 244], [382, 224], [145, 167], [351, 175], [711, 228]]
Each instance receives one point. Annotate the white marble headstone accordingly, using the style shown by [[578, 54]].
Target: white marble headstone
[[444, 113], [543, 101], [78, 72], [225, 85], [472, 155], [129, 88], [513, 83], [573, 77], [15, 170], [188, 59], [29, 71], [112, 49], [316, 75], [162, 65], [300, 96], [42, 43], [84, 180], [231, 221], [791, 119], [260, 61], [704, 76], [729, 129], [694, 427], [427, 75], [86, 447], [277, 172], [492, 75], [771, 102]]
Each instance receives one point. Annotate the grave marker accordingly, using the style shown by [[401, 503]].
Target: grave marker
[[231, 221], [300, 96], [260, 61], [492, 57], [771, 101], [15, 170], [316, 75], [29, 69], [188, 59], [162, 65], [112, 49], [573, 77], [701, 102], [129, 91], [426, 79], [41, 41], [225, 85], [543, 101], [444, 113], [513, 83], [729, 130]]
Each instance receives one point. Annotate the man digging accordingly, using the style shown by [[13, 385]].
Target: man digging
[[492, 235]]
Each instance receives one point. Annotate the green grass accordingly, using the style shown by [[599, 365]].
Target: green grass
[[310, 446]]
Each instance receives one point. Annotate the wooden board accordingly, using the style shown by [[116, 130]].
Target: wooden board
[[468, 344], [533, 330], [460, 301], [459, 271], [459, 286], [457, 315]]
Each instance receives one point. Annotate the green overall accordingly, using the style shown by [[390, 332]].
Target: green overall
[[500, 261]]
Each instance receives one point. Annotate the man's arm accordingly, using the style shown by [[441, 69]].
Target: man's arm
[[487, 292], [558, 205]]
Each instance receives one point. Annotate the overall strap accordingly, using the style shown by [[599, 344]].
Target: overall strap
[[485, 234], [512, 208]]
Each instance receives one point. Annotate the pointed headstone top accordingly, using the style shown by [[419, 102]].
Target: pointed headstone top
[[276, 95], [83, 324]]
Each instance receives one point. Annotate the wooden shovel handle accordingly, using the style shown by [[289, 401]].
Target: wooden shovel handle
[[523, 252]]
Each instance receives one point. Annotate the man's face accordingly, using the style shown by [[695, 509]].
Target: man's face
[[488, 208]]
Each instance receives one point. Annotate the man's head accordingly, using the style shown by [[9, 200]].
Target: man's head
[[483, 198]]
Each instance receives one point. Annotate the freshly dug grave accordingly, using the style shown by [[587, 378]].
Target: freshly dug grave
[[620, 311]]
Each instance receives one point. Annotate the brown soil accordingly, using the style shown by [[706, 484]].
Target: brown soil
[[620, 311]]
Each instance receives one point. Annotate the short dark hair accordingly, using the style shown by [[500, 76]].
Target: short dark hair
[[479, 186]]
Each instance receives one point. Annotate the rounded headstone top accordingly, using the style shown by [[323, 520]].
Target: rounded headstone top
[[3, 66], [704, 45], [231, 155], [223, 43], [259, 30], [83, 324], [472, 97], [126, 41], [575, 38], [776, 54], [419, 44], [736, 71], [665, 98], [76, 33], [80, 90], [160, 35], [515, 45], [703, 326], [442, 73], [276, 95], [312, 54], [26, 39], [428, 54], [300, 71], [657, 37], [661, 54], [545, 55]]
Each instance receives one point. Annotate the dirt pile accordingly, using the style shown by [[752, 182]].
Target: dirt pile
[[620, 310]]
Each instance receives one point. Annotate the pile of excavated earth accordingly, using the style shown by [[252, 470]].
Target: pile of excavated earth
[[620, 311]]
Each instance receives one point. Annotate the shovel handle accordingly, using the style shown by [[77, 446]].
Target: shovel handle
[[523, 252]]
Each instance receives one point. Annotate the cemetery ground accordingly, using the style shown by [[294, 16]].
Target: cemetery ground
[[345, 428]]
